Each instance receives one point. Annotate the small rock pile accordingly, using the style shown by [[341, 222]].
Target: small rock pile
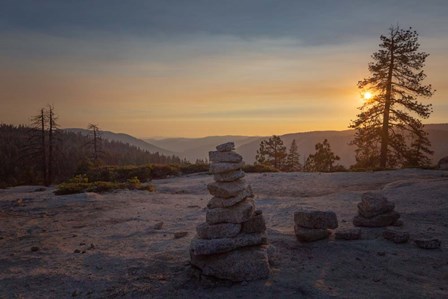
[[312, 225], [375, 210], [231, 244]]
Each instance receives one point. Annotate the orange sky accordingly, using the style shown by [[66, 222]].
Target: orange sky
[[198, 84]]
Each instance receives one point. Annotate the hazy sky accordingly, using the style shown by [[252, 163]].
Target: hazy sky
[[197, 68]]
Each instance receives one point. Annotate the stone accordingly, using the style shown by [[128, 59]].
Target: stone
[[238, 213], [158, 225], [304, 234], [316, 219], [373, 204], [228, 157], [348, 234], [443, 163], [222, 167], [178, 235], [218, 231], [256, 224], [428, 243], [396, 236], [229, 176], [218, 202], [214, 246], [226, 189], [398, 223], [377, 221], [226, 147], [250, 263]]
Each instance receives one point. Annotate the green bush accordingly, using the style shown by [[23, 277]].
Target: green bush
[[164, 171], [80, 184], [194, 168], [259, 168]]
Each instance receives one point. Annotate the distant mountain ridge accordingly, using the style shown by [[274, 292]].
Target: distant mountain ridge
[[125, 138], [247, 146]]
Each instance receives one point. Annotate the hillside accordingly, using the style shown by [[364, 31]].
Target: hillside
[[127, 139], [197, 148]]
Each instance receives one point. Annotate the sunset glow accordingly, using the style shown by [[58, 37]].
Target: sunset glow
[[190, 69]]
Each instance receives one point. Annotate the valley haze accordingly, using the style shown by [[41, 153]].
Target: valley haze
[[198, 148]]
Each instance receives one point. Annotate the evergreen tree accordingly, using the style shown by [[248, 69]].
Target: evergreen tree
[[293, 158], [272, 152], [385, 123], [322, 160], [95, 143]]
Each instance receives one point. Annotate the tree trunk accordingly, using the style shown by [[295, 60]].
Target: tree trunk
[[385, 128], [43, 145], [50, 146]]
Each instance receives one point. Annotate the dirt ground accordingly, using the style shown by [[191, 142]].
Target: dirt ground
[[108, 245]]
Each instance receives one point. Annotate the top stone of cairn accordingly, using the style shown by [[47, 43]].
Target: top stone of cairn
[[226, 147]]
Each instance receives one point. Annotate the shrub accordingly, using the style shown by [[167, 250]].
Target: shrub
[[259, 168], [194, 168]]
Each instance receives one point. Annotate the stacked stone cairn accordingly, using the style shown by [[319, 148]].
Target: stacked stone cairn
[[312, 225], [231, 244], [375, 210]]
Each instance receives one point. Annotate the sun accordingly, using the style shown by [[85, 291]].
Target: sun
[[367, 95]]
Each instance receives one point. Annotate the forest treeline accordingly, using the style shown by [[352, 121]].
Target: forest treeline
[[73, 153]]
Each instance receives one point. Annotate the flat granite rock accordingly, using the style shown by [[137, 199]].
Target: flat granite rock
[[315, 219], [222, 167], [226, 189], [218, 202], [227, 157], [214, 246], [348, 234], [229, 176], [226, 147], [256, 224], [218, 231], [377, 221], [304, 234], [374, 204], [249, 263], [396, 236], [238, 213]]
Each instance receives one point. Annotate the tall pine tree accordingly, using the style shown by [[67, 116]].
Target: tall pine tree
[[293, 158], [388, 123]]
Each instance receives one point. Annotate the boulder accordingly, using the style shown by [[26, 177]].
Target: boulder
[[373, 204], [377, 221], [316, 219], [218, 231], [215, 246], [428, 243], [256, 224], [250, 263], [227, 157], [348, 234], [310, 234], [396, 236], [229, 176], [238, 213], [222, 167], [218, 202], [226, 189], [443, 163], [226, 147]]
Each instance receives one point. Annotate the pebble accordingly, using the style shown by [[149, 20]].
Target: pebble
[[428, 243]]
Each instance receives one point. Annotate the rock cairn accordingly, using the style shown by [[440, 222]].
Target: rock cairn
[[231, 244], [312, 225], [375, 210]]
